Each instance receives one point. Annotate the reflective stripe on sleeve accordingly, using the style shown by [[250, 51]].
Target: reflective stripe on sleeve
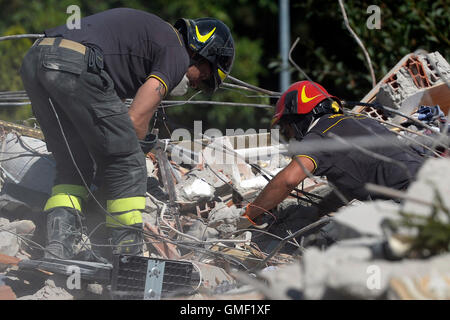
[[314, 161]]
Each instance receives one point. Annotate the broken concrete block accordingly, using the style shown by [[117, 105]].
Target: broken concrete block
[[222, 160], [371, 280], [218, 180], [259, 182], [366, 219], [194, 189], [436, 67], [393, 98], [352, 274], [224, 218], [202, 232], [22, 227], [432, 186], [9, 243], [35, 168], [418, 73]]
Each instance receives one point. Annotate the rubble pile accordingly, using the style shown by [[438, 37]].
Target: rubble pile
[[194, 248], [209, 208]]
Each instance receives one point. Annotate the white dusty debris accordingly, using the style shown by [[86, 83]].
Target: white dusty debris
[[224, 218], [432, 186], [49, 292], [12, 236], [195, 189]]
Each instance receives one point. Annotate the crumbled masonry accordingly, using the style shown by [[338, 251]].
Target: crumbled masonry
[[194, 229]]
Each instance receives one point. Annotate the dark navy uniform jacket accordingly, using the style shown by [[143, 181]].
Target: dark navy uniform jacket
[[136, 45], [345, 160]]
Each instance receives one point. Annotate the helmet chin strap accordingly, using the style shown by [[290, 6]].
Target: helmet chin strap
[[301, 127]]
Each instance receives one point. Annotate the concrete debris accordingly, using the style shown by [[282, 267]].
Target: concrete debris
[[199, 230], [365, 250], [11, 235], [195, 189], [49, 292], [366, 219], [432, 184], [219, 181], [258, 182], [23, 227], [9, 244], [328, 276], [224, 218], [418, 79], [28, 178]]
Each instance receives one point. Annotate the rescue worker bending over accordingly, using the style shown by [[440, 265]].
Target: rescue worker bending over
[[307, 113], [77, 79]]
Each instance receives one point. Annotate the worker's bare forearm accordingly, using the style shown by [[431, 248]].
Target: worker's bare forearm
[[275, 192], [280, 186], [144, 105]]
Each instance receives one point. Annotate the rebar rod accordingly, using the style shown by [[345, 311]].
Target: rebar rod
[[21, 36], [255, 88]]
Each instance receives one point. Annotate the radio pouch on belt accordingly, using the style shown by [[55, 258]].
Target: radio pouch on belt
[[95, 60]]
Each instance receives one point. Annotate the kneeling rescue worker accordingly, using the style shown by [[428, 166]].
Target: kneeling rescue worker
[[77, 80], [306, 112]]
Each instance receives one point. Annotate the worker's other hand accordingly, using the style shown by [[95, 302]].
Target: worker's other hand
[[149, 142], [245, 223]]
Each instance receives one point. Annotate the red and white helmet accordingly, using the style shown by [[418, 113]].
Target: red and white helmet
[[300, 98]]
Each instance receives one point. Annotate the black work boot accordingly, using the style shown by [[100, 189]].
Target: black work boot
[[126, 240], [63, 232]]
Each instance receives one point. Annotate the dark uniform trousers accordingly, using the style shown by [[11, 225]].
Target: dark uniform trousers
[[57, 75]]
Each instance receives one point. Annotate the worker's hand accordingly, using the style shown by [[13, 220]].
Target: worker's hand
[[148, 143], [245, 222]]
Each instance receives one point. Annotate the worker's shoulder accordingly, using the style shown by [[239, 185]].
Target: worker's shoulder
[[143, 28], [127, 11], [132, 17], [331, 122]]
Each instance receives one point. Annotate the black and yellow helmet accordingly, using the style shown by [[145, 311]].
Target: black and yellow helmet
[[211, 39]]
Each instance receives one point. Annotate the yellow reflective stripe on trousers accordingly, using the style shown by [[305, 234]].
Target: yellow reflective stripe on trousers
[[128, 219], [125, 204], [72, 189], [63, 200]]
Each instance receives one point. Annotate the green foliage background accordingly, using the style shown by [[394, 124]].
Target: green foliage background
[[326, 51]]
